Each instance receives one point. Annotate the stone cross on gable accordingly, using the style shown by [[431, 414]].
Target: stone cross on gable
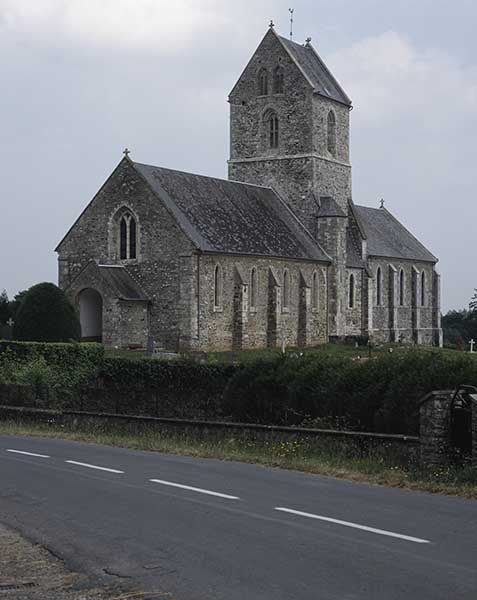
[[472, 344], [126, 152]]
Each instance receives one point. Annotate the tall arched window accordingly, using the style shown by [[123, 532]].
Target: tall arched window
[[217, 287], [273, 129], [379, 287], [278, 80], [263, 82], [351, 291], [127, 237], [401, 287], [331, 133], [423, 288], [286, 289], [253, 288], [315, 291]]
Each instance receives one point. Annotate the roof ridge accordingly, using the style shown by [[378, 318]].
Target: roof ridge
[[263, 187]]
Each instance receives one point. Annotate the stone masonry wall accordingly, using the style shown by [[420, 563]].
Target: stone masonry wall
[[301, 163], [393, 321], [218, 326], [160, 244]]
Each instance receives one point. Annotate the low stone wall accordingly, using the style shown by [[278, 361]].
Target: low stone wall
[[404, 450]]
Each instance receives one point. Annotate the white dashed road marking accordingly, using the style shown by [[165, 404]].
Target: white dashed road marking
[[353, 525], [195, 489], [88, 466], [28, 453]]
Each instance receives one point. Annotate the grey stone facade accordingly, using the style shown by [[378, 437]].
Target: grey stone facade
[[279, 254]]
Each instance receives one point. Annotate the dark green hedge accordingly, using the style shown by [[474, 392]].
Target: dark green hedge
[[187, 376], [64, 355], [376, 395]]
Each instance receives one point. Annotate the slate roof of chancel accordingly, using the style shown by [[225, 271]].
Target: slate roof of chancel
[[231, 217], [387, 237]]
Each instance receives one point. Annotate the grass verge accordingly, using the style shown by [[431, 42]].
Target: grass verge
[[380, 465]]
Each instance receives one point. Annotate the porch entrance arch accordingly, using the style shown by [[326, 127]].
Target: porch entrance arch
[[91, 315]]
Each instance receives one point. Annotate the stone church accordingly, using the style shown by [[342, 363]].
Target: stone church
[[277, 254]]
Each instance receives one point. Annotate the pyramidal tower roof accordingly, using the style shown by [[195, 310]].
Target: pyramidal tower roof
[[315, 70]]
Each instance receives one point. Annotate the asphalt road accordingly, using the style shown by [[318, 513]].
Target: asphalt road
[[206, 529]]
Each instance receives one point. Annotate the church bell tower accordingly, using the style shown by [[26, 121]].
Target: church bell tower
[[289, 129]]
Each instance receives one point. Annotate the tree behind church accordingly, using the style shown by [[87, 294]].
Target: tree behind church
[[46, 315]]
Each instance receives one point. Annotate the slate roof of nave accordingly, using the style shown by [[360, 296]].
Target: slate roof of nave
[[316, 71], [387, 237], [231, 217]]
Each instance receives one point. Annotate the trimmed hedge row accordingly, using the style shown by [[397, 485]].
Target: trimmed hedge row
[[380, 395], [60, 354]]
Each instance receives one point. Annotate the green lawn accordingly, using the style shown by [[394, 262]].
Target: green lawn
[[336, 350]]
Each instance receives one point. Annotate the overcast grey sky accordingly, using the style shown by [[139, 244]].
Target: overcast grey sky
[[82, 79]]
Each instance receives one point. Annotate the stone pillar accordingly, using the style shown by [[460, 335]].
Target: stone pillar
[[474, 432], [436, 309], [435, 428], [303, 312], [416, 311], [274, 310], [392, 302], [240, 311]]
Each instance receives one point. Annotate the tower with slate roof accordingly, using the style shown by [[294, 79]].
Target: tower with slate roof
[[289, 129]]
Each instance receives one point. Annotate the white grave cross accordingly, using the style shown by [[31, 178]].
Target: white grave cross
[[472, 344], [10, 322]]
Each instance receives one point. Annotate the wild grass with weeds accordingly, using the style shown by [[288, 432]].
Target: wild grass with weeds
[[335, 458]]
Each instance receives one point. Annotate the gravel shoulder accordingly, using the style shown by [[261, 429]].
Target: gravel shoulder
[[30, 572]]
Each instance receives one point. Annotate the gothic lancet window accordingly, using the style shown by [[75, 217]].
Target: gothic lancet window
[[379, 287], [286, 290], [315, 291], [217, 287], [127, 237], [263, 82], [331, 133], [278, 80], [423, 288], [351, 291], [273, 128], [253, 288], [401, 288]]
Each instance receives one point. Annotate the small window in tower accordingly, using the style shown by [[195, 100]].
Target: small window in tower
[[278, 80], [273, 125], [331, 135], [351, 291], [263, 82]]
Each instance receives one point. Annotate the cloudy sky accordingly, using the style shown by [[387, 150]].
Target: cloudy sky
[[82, 79]]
